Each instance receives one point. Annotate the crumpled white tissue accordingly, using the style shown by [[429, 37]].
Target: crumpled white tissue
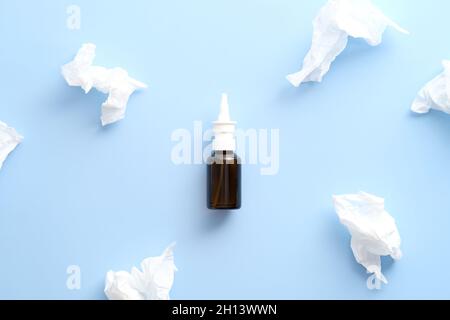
[[9, 139], [115, 82], [373, 230], [336, 21], [436, 93], [153, 282]]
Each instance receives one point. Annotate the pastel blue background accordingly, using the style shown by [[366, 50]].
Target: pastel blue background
[[105, 198]]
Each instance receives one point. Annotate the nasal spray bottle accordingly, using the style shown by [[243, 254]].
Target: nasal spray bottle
[[224, 166]]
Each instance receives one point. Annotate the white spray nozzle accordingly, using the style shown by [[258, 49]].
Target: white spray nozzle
[[224, 128], [224, 115]]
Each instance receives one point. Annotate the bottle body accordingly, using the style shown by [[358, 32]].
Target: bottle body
[[224, 181]]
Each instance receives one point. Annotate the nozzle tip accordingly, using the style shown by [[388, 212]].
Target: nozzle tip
[[224, 109], [224, 100]]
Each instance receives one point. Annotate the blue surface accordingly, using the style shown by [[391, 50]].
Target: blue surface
[[77, 194]]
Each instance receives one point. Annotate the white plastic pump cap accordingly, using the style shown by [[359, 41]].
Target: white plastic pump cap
[[224, 128]]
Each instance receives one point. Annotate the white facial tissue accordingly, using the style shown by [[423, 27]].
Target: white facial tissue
[[435, 94], [9, 139], [336, 21], [373, 230], [152, 283], [115, 82]]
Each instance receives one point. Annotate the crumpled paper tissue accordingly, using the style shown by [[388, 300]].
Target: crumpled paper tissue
[[9, 139], [115, 82], [373, 230], [153, 282], [336, 21], [436, 93]]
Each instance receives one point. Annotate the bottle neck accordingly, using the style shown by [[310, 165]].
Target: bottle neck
[[223, 153], [224, 157]]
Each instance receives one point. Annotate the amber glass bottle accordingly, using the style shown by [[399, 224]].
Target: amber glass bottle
[[224, 166], [224, 181]]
